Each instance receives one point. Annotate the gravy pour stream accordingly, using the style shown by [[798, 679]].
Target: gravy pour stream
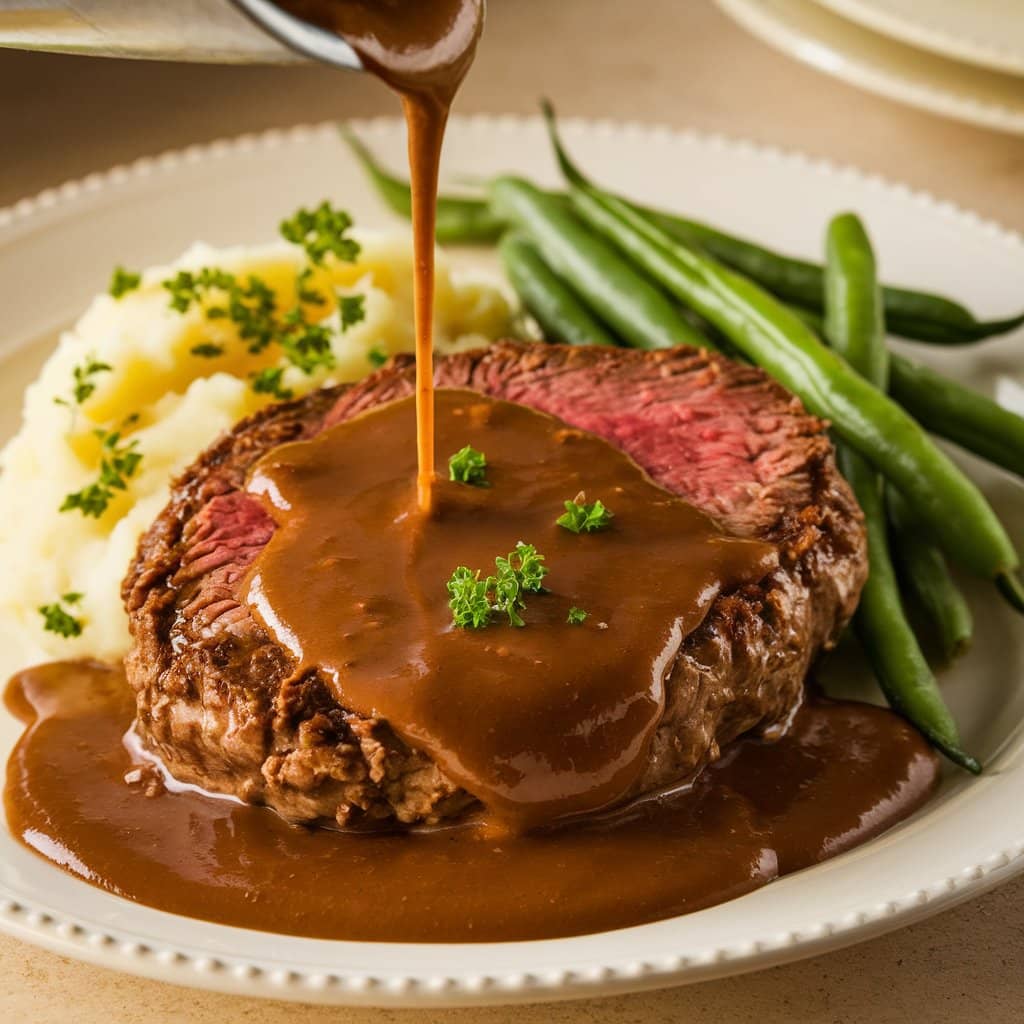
[[422, 50]]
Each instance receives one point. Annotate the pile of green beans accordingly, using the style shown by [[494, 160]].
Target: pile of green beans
[[909, 313], [594, 268]]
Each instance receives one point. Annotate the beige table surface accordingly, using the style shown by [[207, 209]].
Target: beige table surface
[[673, 61]]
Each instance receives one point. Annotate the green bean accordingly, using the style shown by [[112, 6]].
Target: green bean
[[773, 337], [855, 328], [459, 220], [854, 324], [891, 648], [636, 310], [951, 410], [908, 313], [558, 310], [924, 573]]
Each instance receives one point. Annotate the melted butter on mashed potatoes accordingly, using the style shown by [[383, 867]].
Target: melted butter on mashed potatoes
[[182, 403]]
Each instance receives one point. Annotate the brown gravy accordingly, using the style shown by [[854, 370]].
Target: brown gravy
[[539, 722], [422, 49], [843, 773]]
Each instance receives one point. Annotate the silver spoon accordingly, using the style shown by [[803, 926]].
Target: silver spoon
[[300, 36]]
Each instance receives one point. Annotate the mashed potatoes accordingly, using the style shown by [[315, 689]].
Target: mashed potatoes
[[172, 402]]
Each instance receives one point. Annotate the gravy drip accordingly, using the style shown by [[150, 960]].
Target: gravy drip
[[422, 49], [539, 722], [843, 773]]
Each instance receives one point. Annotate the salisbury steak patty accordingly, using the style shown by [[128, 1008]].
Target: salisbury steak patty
[[217, 698]]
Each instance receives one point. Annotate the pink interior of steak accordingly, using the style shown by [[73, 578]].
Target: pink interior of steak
[[720, 435]]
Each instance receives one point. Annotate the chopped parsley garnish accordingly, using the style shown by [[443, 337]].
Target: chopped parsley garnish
[[579, 517], [84, 376], [321, 231], [576, 616], [187, 287], [526, 565], [123, 281], [351, 310], [268, 382], [303, 289], [207, 350], [252, 308], [468, 598], [473, 600], [118, 464], [57, 619], [468, 466], [306, 345], [250, 305], [377, 356]]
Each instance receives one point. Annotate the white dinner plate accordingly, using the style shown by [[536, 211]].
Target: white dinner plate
[[989, 33], [56, 250], [806, 30]]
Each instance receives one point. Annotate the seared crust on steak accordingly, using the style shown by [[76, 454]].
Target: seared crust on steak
[[217, 700]]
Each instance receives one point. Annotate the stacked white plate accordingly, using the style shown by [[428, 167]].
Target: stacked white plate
[[960, 58]]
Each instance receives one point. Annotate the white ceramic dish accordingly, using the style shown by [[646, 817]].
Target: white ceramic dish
[[57, 249], [806, 30], [989, 33]]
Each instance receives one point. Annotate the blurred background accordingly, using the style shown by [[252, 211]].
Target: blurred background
[[680, 62]]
